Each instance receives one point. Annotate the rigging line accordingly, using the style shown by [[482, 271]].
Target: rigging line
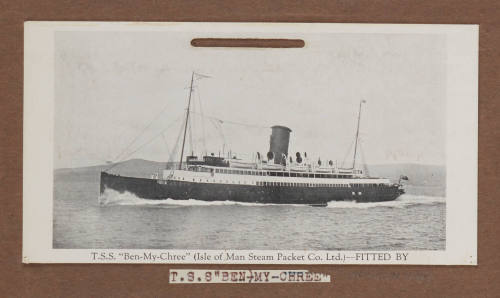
[[165, 141], [202, 124], [143, 130], [365, 165], [218, 129], [235, 123], [195, 121], [187, 117], [144, 144], [221, 134], [190, 132], [150, 140], [221, 130], [347, 154], [174, 150]]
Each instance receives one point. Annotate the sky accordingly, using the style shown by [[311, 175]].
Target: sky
[[122, 95]]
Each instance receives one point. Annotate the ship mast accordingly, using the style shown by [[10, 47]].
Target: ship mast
[[357, 135], [187, 119]]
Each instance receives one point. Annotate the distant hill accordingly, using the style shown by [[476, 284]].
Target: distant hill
[[133, 167], [419, 175], [423, 179]]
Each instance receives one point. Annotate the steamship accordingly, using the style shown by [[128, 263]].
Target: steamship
[[276, 178]]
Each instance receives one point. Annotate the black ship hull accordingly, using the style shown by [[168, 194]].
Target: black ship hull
[[179, 190]]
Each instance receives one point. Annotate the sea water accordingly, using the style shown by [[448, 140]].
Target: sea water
[[83, 219]]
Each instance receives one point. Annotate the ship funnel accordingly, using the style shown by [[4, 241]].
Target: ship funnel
[[280, 137]]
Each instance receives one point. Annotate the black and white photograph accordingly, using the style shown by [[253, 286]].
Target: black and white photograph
[[345, 143]]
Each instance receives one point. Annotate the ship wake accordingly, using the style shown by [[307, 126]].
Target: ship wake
[[404, 201], [111, 197]]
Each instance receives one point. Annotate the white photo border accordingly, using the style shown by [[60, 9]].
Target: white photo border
[[461, 143]]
